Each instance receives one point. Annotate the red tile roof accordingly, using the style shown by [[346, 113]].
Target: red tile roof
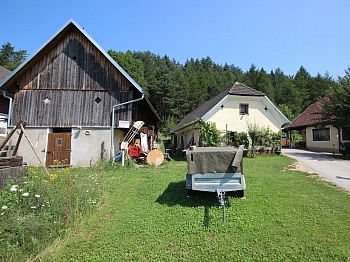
[[309, 117]]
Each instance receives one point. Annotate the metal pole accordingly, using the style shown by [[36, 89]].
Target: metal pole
[[222, 202]]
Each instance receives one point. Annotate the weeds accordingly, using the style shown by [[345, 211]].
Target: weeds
[[40, 209], [143, 214]]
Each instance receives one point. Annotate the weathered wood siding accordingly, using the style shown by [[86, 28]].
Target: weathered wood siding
[[72, 84]]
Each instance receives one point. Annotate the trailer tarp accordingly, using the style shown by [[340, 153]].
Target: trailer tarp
[[201, 160]]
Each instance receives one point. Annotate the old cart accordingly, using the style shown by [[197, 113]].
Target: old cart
[[216, 169]]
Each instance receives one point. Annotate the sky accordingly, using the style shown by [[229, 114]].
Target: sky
[[270, 34]]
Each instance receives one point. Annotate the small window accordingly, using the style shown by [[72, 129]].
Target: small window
[[321, 134], [345, 131], [243, 109], [59, 141], [98, 100]]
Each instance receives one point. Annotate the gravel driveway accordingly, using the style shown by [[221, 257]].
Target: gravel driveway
[[332, 169]]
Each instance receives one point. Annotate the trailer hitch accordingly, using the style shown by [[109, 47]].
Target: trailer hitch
[[222, 203]]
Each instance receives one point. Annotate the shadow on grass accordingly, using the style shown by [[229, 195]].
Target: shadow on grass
[[176, 194]]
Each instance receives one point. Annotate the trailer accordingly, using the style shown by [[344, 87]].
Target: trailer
[[216, 169]]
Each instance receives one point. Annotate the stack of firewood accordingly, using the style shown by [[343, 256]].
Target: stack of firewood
[[11, 161]]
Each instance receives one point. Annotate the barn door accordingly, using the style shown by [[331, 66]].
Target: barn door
[[58, 149]]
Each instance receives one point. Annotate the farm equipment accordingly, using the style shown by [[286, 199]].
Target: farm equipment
[[216, 169], [127, 146]]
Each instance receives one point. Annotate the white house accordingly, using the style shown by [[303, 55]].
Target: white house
[[231, 110], [315, 136]]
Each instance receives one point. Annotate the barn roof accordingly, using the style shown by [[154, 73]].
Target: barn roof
[[237, 89], [11, 78]]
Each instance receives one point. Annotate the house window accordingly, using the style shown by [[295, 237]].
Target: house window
[[321, 134], [345, 133], [243, 109]]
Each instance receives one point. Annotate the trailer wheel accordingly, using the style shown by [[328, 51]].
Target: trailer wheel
[[240, 193]]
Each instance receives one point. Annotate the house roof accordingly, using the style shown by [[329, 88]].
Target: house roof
[[237, 89], [309, 117], [243, 90], [4, 72]]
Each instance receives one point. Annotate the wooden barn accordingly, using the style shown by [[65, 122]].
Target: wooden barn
[[77, 101]]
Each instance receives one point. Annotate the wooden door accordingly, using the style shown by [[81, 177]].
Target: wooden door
[[58, 149]]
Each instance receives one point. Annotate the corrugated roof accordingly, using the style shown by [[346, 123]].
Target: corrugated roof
[[237, 89]]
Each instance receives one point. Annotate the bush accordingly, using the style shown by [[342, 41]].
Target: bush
[[242, 139], [210, 134]]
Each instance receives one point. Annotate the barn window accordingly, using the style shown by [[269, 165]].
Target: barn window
[[59, 141], [47, 100], [98, 100]]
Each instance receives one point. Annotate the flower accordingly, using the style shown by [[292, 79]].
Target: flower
[[53, 176], [37, 196], [33, 207], [25, 194], [4, 207], [14, 188]]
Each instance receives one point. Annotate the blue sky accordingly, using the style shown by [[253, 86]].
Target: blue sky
[[271, 34]]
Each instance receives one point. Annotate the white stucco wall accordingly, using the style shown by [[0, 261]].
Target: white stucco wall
[[228, 118], [327, 146], [87, 145], [38, 139], [187, 134]]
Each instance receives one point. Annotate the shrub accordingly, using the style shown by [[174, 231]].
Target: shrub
[[242, 139], [210, 134]]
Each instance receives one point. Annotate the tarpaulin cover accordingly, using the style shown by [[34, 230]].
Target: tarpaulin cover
[[201, 160]]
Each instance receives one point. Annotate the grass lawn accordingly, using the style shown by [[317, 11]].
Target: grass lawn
[[146, 215]]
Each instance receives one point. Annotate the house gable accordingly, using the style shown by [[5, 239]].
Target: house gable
[[72, 81], [260, 111], [238, 92]]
